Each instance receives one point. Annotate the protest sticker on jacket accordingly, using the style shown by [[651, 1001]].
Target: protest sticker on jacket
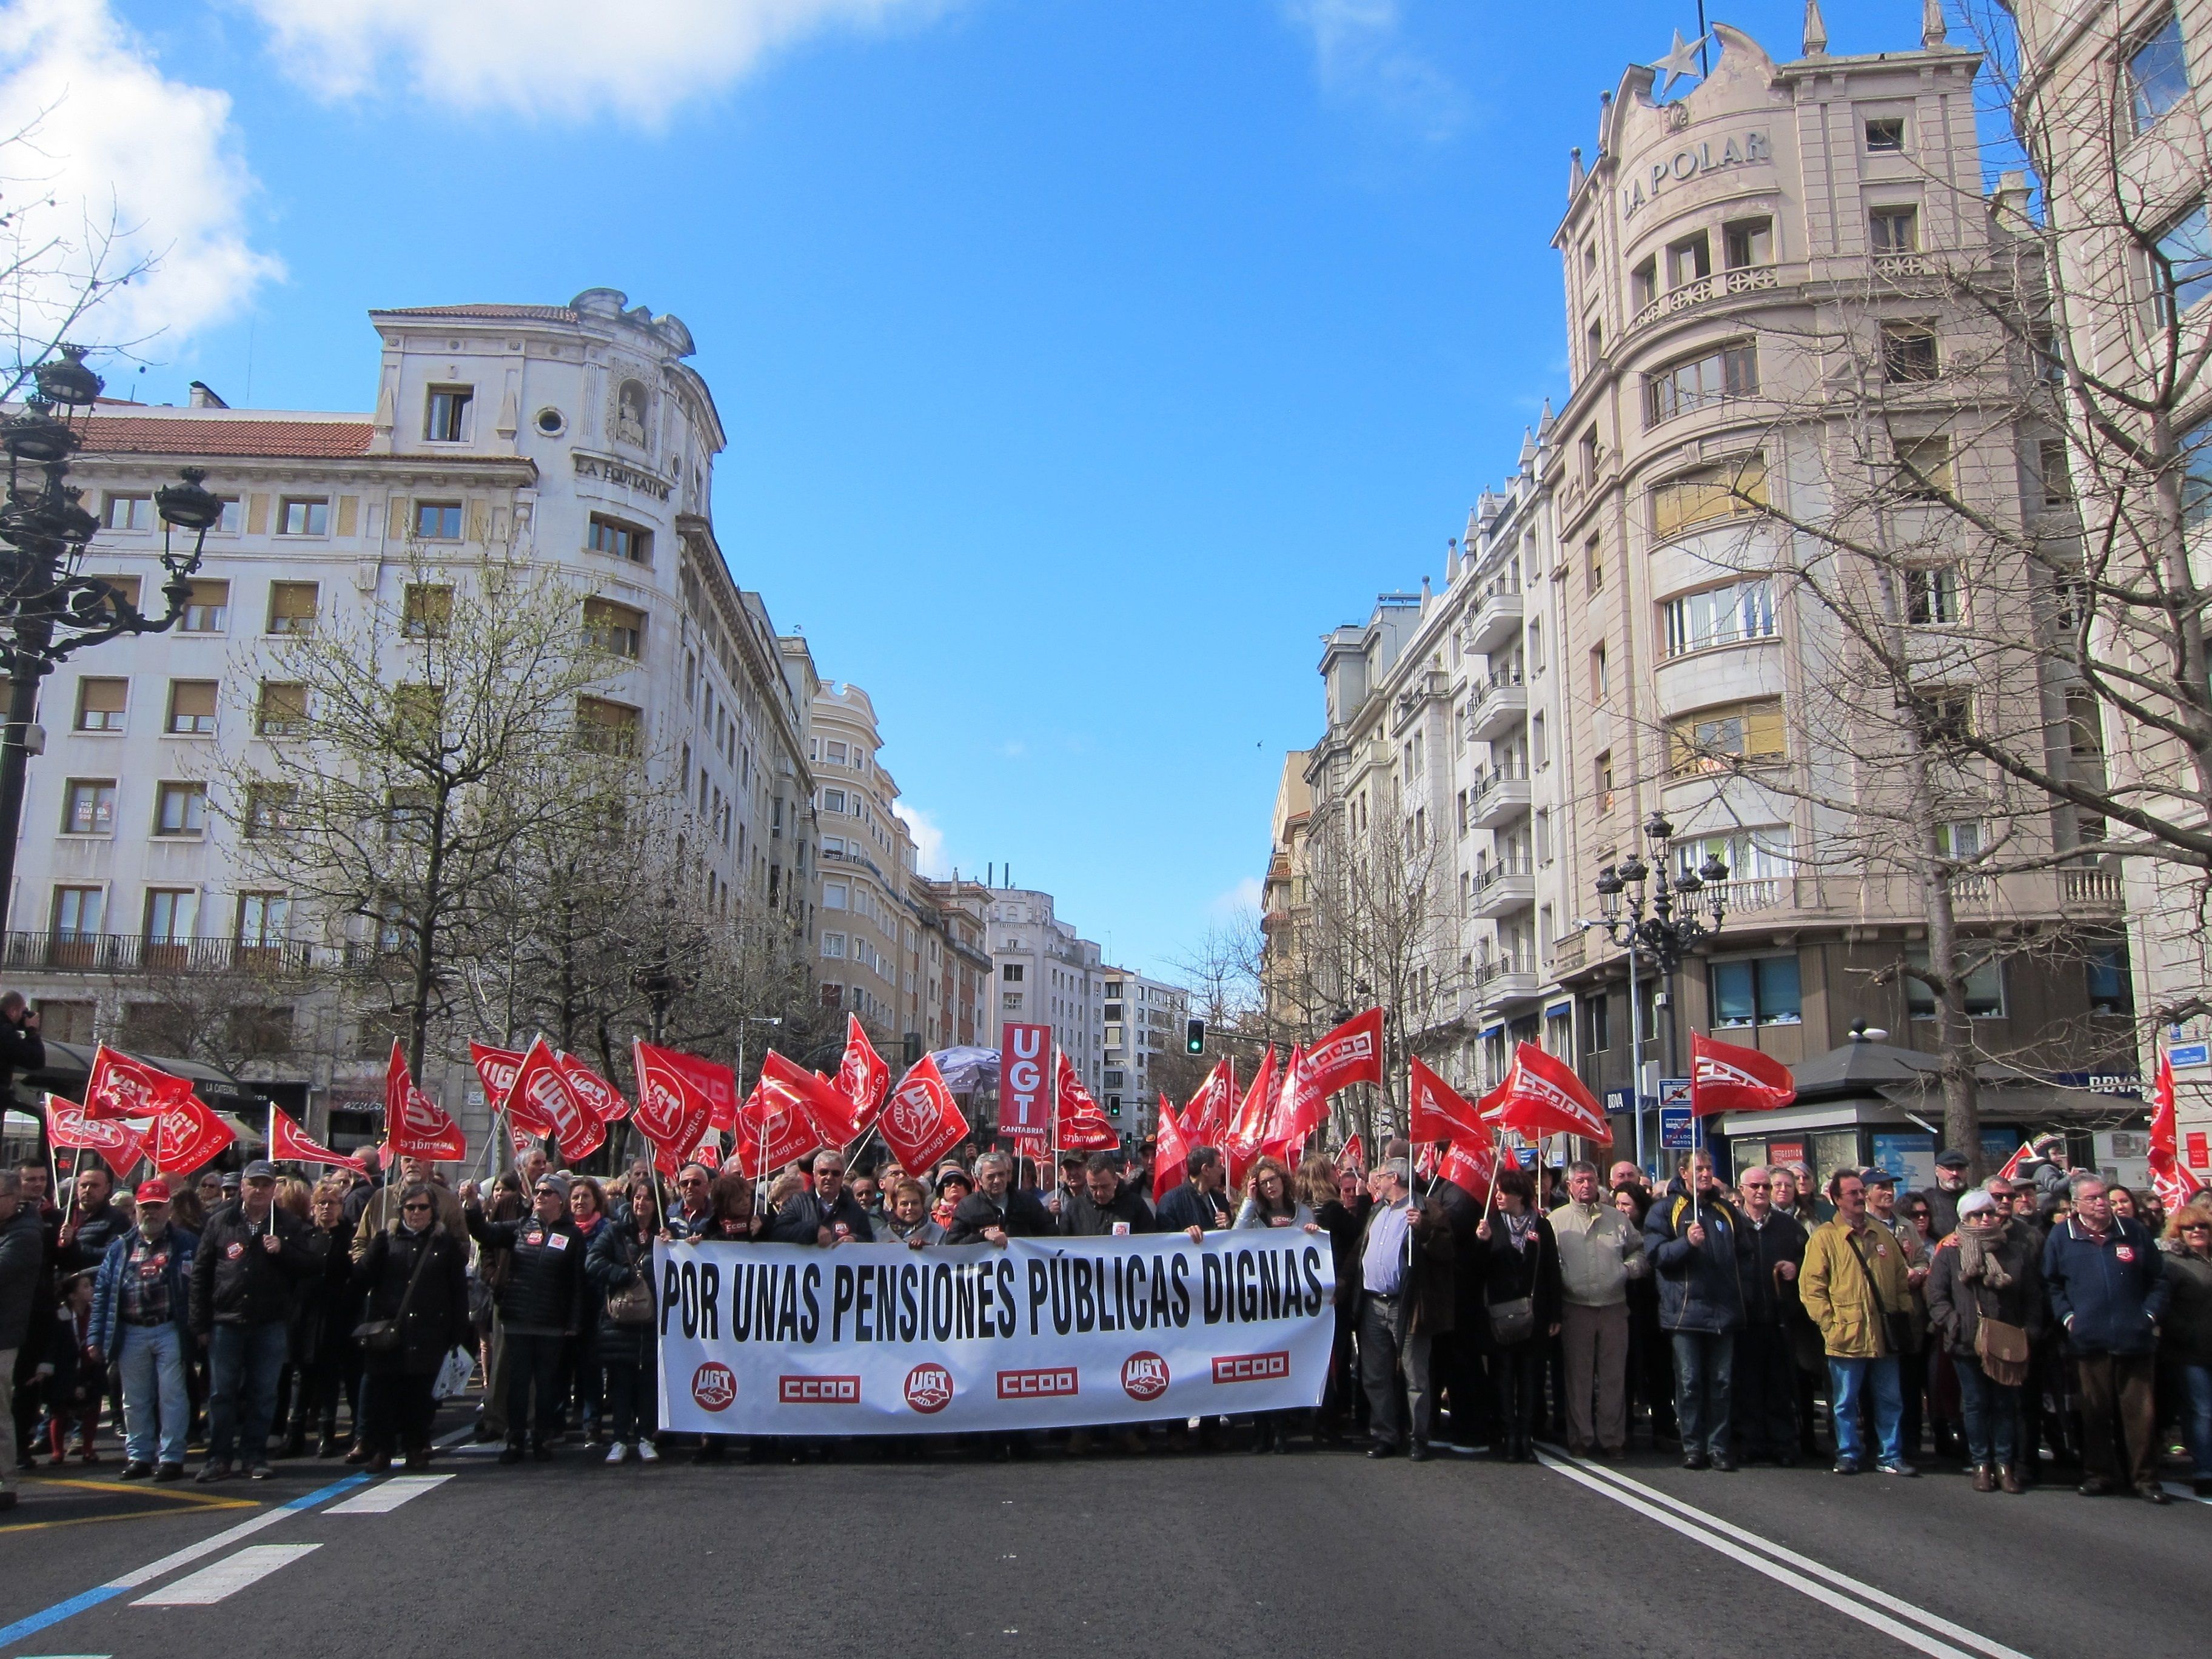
[[877, 1338]]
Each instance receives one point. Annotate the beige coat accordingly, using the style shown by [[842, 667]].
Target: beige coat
[[1600, 1251]]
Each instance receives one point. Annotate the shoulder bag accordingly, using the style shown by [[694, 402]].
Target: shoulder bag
[[2001, 1348], [633, 1303], [1896, 1327], [385, 1335]]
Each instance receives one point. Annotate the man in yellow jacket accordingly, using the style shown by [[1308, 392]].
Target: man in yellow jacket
[[1853, 1284]]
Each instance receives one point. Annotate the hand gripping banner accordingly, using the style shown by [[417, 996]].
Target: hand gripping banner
[[877, 1338]]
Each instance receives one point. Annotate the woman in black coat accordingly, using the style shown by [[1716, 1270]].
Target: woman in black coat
[[618, 1260], [324, 1356], [1519, 1261], [397, 1399]]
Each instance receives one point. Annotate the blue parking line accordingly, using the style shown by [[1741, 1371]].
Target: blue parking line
[[32, 1623]]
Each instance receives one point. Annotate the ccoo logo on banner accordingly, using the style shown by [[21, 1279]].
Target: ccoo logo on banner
[[877, 1338]]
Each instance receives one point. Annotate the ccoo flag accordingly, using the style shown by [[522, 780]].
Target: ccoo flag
[[1351, 1054], [1726, 1078], [1542, 1096]]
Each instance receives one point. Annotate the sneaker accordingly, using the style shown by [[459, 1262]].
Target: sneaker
[[261, 1472], [1844, 1466], [616, 1452], [1900, 1467], [212, 1471], [164, 1471], [136, 1471], [647, 1452]]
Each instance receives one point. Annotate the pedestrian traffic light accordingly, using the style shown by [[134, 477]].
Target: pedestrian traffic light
[[1193, 1036]]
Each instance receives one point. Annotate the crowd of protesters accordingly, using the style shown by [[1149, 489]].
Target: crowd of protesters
[[2055, 1322]]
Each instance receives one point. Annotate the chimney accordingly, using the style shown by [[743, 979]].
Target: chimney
[[204, 397]]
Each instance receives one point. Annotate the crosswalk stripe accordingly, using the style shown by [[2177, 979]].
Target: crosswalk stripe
[[388, 1495], [226, 1577]]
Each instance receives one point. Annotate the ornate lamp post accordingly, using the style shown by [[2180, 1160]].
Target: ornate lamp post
[[1657, 918], [48, 607]]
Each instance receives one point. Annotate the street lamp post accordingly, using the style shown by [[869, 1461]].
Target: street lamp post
[[48, 607], [1655, 917]]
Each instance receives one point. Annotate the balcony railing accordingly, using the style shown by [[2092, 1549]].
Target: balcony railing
[[2089, 888], [1489, 875], [134, 953], [1490, 969], [1754, 893], [1705, 289], [1499, 699]]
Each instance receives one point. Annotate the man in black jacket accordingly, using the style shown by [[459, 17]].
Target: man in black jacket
[[1198, 1203], [828, 1215], [251, 1256], [94, 1221], [994, 1212], [1104, 1207], [21, 1049], [541, 1306], [1770, 1251]]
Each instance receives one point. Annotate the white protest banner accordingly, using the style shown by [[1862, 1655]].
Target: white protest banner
[[877, 1339]]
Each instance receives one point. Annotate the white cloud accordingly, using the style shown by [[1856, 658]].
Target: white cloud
[[556, 60], [1359, 53], [1240, 900], [110, 143], [928, 841]]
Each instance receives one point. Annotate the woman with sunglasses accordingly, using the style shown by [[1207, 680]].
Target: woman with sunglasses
[[2185, 1333], [397, 1403]]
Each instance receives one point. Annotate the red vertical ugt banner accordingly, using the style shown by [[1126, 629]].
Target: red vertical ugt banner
[[1024, 1085]]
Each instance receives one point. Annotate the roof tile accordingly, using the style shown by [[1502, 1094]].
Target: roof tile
[[126, 434]]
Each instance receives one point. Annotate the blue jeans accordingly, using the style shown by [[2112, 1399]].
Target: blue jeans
[[156, 1409], [243, 1363], [2196, 1418], [1846, 1379], [1704, 1370], [1992, 1414]]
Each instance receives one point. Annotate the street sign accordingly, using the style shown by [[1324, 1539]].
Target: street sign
[[1673, 1092], [1675, 1126], [2185, 1056]]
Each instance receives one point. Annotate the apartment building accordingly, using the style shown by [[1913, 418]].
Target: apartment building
[[574, 437], [870, 942], [958, 980], [1048, 974], [2112, 101], [1143, 1018]]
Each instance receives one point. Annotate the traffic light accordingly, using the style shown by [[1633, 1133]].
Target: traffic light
[[1193, 1036], [1113, 1105]]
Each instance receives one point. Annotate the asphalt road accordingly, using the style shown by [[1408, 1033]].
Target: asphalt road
[[1223, 1554]]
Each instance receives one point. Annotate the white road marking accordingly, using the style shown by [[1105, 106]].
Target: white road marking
[[388, 1495], [2184, 1490], [226, 1577], [1846, 1594]]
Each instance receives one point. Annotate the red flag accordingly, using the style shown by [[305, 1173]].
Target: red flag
[[119, 1145], [1425, 1161], [1726, 1078], [1354, 1153], [2174, 1185], [287, 1141], [773, 1127], [599, 1097], [1468, 1166], [415, 1125], [120, 1086], [1208, 1114], [496, 1070], [827, 1111], [542, 1094], [718, 1083], [1353, 1053], [187, 1135], [1542, 1096], [863, 1077], [672, 1110], [2011, 1171], [920, 1121], [1170, 1150], [1240, 1140], [1082, 1125], [1300, 1107], [1437, 1112]]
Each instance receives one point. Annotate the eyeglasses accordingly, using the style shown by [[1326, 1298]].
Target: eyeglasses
[[414, 1206]]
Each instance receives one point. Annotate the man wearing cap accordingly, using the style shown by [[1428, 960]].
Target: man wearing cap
[[141, 1302], [1951, 1165], [251, 1256]]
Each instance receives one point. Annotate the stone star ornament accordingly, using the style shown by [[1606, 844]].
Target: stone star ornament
[[1680, 63]]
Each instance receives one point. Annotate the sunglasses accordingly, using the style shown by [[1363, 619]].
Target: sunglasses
[[414, 1206], [2196, 1226]]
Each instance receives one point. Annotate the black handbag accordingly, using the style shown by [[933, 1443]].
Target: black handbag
[[385, 1335], [1512, 1321]]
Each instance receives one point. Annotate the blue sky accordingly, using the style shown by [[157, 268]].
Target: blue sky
[[1083, 361]]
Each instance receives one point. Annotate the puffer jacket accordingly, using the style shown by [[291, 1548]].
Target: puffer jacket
[[544, 1293], [615, 1258], [2107, 1294], [1701, 1287], [2186, 1334], [1956, 1308], [107, 1286], [1848, 1288], [237, 1280]]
